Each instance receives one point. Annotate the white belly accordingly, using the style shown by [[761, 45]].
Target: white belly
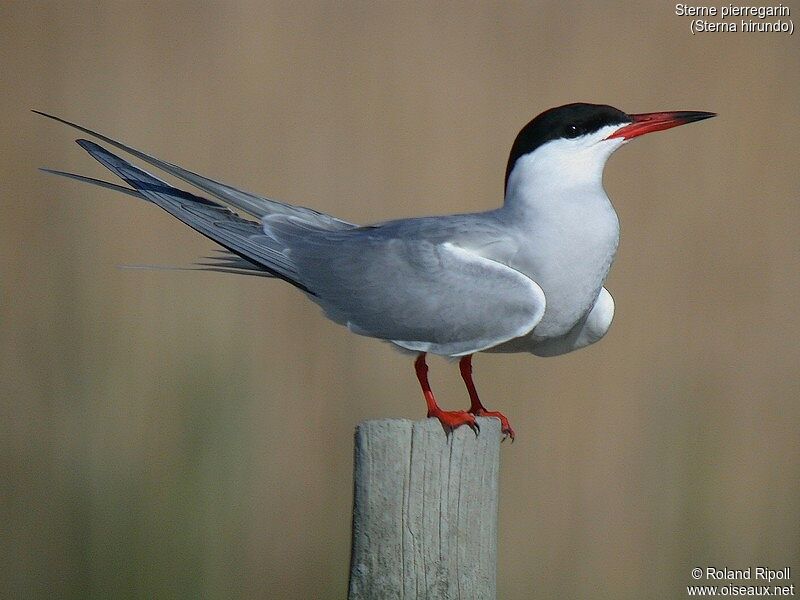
[[570, 261]]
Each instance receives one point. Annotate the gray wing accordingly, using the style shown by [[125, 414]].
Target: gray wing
[[258, 206], [242, 237], [427, 285], [411, 283]]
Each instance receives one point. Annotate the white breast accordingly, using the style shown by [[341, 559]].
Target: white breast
[[569, 258], [569, 231]]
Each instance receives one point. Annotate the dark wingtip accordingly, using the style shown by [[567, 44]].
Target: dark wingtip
[[87, 145], [60, 120], [50, 171], [44, 114]]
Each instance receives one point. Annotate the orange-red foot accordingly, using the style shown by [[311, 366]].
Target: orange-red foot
[[504, 425], [452, 419]]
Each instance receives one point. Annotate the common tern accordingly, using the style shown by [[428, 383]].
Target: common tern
[[525, 277]]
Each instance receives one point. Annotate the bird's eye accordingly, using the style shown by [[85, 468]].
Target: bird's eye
[[574, 131]]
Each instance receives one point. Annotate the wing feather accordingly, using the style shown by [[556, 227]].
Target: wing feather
[[258, 206], [439, 285], [244, 238], [422, 294]]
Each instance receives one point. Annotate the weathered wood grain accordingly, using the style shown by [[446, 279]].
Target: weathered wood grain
[[424, 511]]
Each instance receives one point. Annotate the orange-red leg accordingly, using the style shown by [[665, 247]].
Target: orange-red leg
[[475, 407], [450, 419]]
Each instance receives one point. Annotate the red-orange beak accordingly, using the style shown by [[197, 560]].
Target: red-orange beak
[[648, 122]]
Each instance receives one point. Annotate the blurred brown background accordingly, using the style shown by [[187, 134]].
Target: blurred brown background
[[173, 434]]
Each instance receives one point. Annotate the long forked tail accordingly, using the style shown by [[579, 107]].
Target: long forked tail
[[242, 237], [258, 206]]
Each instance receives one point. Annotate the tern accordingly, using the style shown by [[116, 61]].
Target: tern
[[525, 277]]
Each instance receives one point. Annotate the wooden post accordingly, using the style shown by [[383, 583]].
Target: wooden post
[[424, 511]]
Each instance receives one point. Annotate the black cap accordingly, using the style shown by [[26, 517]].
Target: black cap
[[568, 121]]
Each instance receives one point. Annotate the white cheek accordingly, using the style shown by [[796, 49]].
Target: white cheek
[[564, 163]]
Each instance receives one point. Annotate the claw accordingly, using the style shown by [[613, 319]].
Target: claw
[[476, 408], [476, 429], [505, 427], [453, 419]]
